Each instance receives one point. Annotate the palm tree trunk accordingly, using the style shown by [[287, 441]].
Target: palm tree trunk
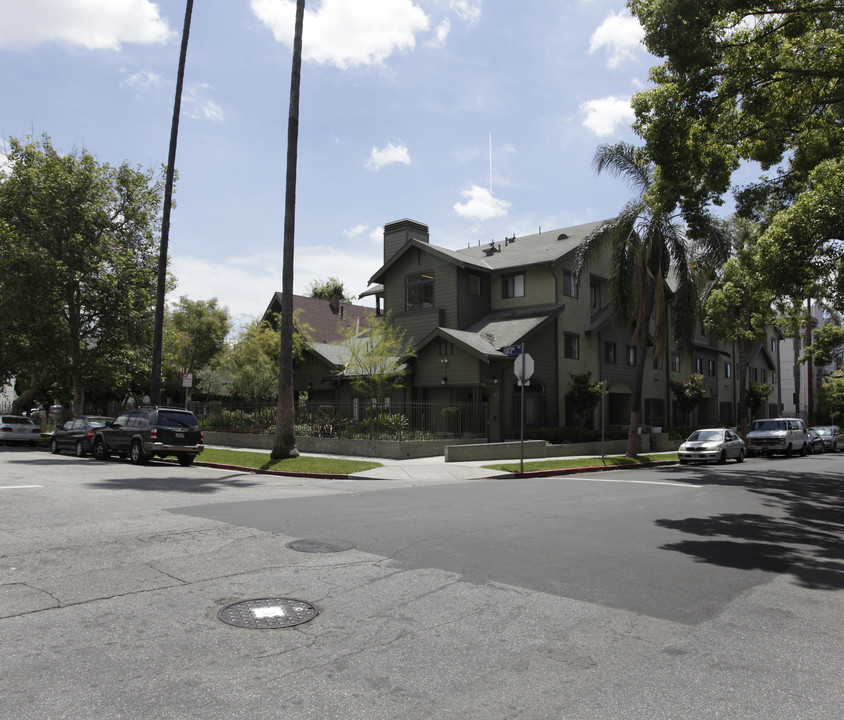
[[158, 333], [742, 378], [638, 380], [284, 445]]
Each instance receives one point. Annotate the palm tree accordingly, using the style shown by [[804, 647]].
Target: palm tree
[[284, 445], [158, 331], [645, 246]]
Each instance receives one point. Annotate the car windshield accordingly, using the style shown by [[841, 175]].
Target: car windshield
[[769, 425], [12, 420], [822, 430], [98, 421], [706, 436]]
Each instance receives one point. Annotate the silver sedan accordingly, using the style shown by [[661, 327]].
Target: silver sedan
[[712, 444]]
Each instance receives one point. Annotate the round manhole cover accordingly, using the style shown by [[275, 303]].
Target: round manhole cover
[[320, 546], [268, 613]]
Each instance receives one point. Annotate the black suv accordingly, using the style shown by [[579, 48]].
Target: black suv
[[147, 432]]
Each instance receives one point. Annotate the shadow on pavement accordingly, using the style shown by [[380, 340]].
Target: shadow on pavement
[[804, 537]]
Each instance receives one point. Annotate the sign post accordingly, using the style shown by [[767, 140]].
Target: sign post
[[523, 367], [187, 383]]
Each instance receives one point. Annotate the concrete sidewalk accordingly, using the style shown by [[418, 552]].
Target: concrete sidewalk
[[434, 469]]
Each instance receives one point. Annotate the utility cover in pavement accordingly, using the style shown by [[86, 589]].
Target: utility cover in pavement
[[320, 546], [268, 613]]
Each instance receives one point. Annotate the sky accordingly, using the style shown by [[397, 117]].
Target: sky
[[479, 118]]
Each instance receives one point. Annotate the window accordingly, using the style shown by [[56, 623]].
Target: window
[[675, 362], [569, 286], [773, 344], [699, 365], [728, 370], [609, 353], [594, 296], [419, 291], [754, 374], [446, 347], [711, 368], [513, 286], [572, 346], [631, 355], [658, 362], [764, 376], [474, 285], [773, 377]]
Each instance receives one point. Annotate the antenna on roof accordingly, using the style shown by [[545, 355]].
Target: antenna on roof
[[490, 163]]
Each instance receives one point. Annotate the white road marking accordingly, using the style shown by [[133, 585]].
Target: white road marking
[[640, 482], [18, 487]]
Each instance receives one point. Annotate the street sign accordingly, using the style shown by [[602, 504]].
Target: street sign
[[187, 380], [523, 367], [511, 350]]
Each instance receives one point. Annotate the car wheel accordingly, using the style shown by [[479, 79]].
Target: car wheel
[[79, 450], [99, 450], [54, 447], [185, 460], [740, 457], [803, 450], [788, 450], [722, 458], [137, 454]]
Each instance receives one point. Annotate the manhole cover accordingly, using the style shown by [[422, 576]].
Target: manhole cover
[[268, 613], [320, 546]]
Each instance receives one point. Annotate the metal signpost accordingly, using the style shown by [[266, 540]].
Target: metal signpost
[[187, 383], [523, 367]]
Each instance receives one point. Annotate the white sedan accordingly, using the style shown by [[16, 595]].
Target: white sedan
[[15, 428], [713, 444]]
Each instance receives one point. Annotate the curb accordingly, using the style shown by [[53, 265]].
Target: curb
[[591, 469], [260, 471]]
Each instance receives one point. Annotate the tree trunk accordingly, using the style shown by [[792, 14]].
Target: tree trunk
[[158, 332], [638, 380], [285, 436], [742, 378]]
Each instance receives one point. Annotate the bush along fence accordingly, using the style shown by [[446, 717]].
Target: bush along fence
[[405, 422]]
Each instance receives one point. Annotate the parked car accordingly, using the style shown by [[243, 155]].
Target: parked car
[[18, 429], [778, 435], [712, 444], [833, 439], [145, 433], [77, 434], [815, 443]]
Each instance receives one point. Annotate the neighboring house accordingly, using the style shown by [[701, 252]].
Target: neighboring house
[[459, 308], [327, 319]]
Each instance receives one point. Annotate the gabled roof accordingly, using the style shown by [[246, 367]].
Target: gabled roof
[[450, 256], [499, 328], [325, 318]]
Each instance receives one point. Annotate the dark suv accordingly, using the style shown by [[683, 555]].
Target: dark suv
[[145, 433]]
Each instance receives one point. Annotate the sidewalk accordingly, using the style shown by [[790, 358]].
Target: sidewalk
[[435, 469]]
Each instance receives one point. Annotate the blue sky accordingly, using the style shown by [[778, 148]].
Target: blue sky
[[403, 104]]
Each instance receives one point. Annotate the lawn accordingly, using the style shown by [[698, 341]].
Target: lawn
[[563, 463], [263, 461]]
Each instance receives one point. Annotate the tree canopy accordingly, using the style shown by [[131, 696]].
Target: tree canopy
[[77, 270], [333, 287], [752, 81]]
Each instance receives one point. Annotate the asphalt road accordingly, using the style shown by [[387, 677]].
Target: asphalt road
[[679, 592]]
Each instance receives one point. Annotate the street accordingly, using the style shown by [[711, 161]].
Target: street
[[672, 592]]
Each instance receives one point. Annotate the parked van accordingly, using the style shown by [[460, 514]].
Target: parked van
[[778, 435]]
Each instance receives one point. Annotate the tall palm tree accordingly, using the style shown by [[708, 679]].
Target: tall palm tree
[[645, 246], [158, 331], [284, 444]]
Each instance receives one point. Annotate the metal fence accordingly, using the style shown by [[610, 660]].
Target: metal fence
[[358, 419]]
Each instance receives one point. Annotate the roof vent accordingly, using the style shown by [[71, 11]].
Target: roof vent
[[562, 236], [492, 249], [507, 240]]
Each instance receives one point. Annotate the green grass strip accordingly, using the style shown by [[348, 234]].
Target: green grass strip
[[563, 463], [263, 461]]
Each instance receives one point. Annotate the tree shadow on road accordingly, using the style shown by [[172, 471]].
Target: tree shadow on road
[[803, 535]]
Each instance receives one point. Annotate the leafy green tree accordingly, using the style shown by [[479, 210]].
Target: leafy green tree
[[77, 270], [645, 246], [253, 359], [757, 394], [827, 343], [194, 335], [378, 356], [739, 305], [583, 395], [751, 81], [333, 287], [831, 397], [688, 394]]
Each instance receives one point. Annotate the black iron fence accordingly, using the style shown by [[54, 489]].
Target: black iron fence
[[393, 421]]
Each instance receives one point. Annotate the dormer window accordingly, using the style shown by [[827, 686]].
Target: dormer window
[[419, 291]]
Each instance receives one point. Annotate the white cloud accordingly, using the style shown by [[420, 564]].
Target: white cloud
[[93, 24], [621, 34], [347, 33], [441, 32], [604, 115], [355, 231], [5, 165], [198, 106], [481, 204], [466, 9], [388, 156], [140, 79]]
